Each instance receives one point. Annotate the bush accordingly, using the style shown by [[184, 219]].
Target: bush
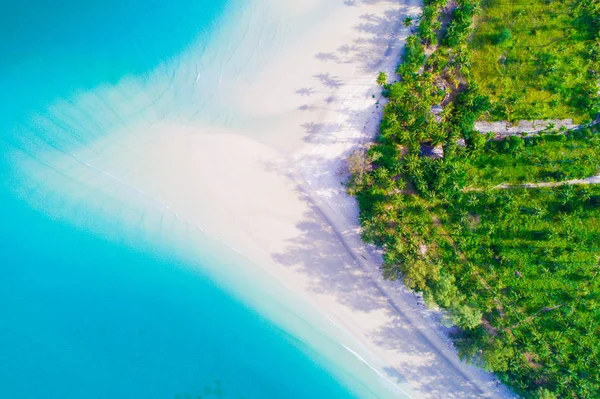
[[543, 393], [502, 37], [515, 144], [382, 78], [476, 141], [466, 317]]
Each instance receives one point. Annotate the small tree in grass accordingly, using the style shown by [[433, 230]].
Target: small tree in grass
[[503, 36]]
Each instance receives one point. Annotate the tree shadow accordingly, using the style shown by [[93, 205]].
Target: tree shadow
[[322, 132], [376, 47], [326, 256], [329, 81], [305, 91], [307, 107], [327, 57]]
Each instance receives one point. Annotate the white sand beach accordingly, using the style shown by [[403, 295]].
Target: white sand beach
[[261, 148]]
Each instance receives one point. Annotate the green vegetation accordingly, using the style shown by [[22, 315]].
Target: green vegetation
[[517, 269], [382, 78], [538, 59], [531, 266], [544, 158]]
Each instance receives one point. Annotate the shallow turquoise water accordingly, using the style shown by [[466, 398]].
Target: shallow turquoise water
[[87, 317], [55, 49]]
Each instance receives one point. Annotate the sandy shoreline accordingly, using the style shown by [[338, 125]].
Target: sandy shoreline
[[253, 159], [322, 91]]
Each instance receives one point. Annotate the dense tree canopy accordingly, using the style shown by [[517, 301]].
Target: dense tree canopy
[[517, 269]]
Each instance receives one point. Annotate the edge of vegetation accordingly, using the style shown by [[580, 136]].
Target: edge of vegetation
[[501, 263]]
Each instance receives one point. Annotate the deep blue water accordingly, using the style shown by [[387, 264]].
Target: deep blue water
[[86, 317]]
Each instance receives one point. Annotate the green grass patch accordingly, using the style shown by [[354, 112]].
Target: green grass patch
[[536, 59], [546, 158]]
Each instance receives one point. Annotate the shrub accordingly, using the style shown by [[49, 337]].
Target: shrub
[[502, 37]]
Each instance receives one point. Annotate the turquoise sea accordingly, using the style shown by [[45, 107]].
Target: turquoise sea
[[91, 315]]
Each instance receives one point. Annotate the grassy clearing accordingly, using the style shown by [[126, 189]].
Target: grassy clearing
[[536, 59], [546, 158]]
